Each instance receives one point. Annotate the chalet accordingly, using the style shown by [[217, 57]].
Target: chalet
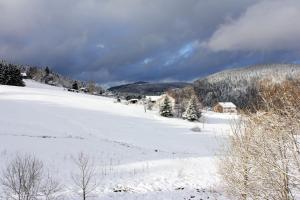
[[133, 101], [24, 75], [108, 94], [225, 107], [51, 83], [83, 89]]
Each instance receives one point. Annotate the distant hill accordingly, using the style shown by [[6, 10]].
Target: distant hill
[[145, 88], [276, 72], [240, 85]]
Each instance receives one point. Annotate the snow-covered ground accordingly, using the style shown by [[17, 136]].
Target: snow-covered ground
[[153, 157]]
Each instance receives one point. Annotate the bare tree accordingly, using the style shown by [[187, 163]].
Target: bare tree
[[91, 86], [85, 178], [50, 188], [23, 179]]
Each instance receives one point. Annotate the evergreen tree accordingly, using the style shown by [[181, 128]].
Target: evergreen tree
[[166, 108], [192, 112], [2, 74], [47, 70], [10, 75], [75, 85]]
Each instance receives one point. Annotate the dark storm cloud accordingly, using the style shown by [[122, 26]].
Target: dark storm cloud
[[130, 40]]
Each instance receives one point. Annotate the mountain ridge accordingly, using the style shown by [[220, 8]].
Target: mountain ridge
[[241, 85], [258, 70]]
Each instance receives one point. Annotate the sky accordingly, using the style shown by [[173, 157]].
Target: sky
[[121, 41]]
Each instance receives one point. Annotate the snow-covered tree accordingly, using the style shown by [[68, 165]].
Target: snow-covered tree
[[10, 75], [166, 108], [240, 86], [192, 113]]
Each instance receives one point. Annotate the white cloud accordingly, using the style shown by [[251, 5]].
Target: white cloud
[[266, 26]]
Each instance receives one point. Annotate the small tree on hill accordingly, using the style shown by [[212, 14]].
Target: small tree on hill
[[91, 87], [166, 108], [47, 70], [192, 112], [75, 85]]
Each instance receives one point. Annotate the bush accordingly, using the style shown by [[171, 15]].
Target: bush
[[262, 160]]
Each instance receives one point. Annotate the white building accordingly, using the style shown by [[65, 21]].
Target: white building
[[83, 89], [24, 75]]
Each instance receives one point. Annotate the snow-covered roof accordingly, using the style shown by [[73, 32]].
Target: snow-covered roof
[[227, 104], [153, 98]]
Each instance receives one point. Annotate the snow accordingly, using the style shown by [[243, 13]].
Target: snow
[[227, 104], [33, 84], [153, 98], [153, 157]]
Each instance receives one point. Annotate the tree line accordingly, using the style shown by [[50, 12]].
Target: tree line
[[10, 74], [48, 76]]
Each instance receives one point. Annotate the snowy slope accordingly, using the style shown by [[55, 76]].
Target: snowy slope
[[151, 155]]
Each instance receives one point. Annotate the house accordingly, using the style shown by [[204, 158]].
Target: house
[[51, 83], [72, 90], [108, 94], [83, 89], [24, 75], [225, 107], [133, 101], [152, 99]]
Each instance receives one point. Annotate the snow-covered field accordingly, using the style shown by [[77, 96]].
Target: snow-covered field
[[153, 157]]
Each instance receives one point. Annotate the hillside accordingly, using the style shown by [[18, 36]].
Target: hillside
[[150, 156], [144, 88], [274, 72], [240, 86], [49, 77]]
